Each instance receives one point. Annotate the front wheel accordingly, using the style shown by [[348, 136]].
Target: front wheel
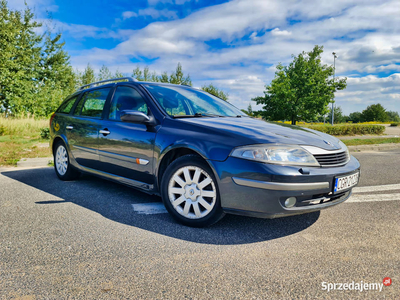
[[62, 165], [190, 192]]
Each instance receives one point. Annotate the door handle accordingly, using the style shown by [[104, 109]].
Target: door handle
[[69, 127], [104, 132]]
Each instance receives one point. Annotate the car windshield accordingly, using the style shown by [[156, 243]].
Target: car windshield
[[180, 101]]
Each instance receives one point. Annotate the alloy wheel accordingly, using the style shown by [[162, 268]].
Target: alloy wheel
[[192, 192], [61, 160]]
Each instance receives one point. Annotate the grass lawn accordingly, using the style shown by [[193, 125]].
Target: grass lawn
[[357, 142], [20, 138]]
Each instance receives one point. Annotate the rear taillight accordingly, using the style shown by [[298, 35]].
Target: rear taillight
[[51, 118]]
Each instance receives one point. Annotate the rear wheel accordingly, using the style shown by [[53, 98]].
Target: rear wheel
[[62, 165], [190, 192]]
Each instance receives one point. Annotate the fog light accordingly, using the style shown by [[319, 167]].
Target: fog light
[[290, 202]]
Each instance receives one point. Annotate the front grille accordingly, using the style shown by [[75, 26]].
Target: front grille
[[332, 159]]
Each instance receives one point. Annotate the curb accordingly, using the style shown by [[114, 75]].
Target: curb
[[34, 162], [374, 147]]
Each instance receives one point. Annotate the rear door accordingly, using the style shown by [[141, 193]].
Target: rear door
[[83, 130], [126, 149]]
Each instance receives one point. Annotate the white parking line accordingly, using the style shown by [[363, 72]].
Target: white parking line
[[374, 198], [376, 188], [149, 208]]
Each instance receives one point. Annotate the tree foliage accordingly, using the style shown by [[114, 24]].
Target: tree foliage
[[393, 116], [302, 90], [374, 112], [35, 72], [176, 77], [249, 111], [104, 74], [355, 117], [338, 116], [213, 90]]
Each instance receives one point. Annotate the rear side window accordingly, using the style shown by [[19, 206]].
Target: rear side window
[[92, 103], [66, 106]]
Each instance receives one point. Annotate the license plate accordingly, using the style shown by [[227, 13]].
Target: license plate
[[345, 182]]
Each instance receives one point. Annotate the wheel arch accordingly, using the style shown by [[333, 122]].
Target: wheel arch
[[174, 153], [56, 140]]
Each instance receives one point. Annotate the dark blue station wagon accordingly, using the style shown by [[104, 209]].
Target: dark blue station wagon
[[202, 155]]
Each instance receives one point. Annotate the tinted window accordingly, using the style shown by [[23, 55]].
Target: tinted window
[[92, 103], [126, 98], [65, 108]]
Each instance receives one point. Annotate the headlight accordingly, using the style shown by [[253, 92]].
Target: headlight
[[277, 154]]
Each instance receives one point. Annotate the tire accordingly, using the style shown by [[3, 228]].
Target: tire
[[190, 192], [64, 170]]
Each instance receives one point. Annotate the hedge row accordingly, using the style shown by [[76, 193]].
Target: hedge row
[[349, 129]]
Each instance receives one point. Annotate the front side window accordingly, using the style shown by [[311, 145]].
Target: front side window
[[65, 108], [92, 103], [185, 101], [126, 98]]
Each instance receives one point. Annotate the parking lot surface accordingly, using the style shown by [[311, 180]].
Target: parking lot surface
[[93, 239]]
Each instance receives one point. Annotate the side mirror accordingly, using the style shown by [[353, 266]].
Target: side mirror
[[134, 116]]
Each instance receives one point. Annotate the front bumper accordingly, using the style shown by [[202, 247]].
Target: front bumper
[[260, 190]]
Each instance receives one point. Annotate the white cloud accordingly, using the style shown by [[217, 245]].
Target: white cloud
[[129, 14], [363, 33], [150, 12], [279, 32]]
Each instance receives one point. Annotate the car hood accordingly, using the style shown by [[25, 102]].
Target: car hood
[[247, 130]]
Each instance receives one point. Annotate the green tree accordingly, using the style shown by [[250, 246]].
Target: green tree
[[249, 111], [104, 73], [20, 55], [355, 117], [178, 77], [164, 77], [300, 91], [56, 79], [118, 74], [393, 116], [337, 116], [374, 112], [88, 75], [213, 90], [35, 72], [137, 74]]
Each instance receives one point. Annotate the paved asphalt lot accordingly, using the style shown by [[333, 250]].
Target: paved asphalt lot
[[83, 240]]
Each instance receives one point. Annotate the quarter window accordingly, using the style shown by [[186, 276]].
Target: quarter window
[[126, 98], [66, 106]]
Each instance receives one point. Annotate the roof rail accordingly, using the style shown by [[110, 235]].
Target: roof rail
[[93, 84]]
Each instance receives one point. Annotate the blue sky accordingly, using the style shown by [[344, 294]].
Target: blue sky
[[236, 44]]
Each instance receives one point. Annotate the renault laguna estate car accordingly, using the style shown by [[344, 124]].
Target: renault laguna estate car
[[201, 154]]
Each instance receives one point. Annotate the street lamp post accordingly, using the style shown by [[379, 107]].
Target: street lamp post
[[334, 71]]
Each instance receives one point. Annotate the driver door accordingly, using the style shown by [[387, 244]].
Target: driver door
[[126, 149]]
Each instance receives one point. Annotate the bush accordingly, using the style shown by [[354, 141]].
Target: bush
[[2, 130], [391, 124], [45, 133], [349, 129]]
